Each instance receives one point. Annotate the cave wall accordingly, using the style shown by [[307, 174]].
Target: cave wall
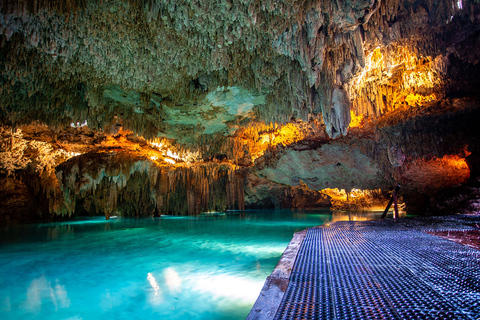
[[424, 150], [121, 183], [79, 172], [293, 96]]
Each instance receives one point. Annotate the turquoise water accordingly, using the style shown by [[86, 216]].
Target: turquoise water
[[205, 267]]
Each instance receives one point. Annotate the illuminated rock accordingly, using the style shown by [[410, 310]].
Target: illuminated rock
[[333, 165], [347, 94], [127, 184], [262, 193]]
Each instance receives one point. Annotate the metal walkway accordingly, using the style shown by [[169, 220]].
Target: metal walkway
[[382, 270]]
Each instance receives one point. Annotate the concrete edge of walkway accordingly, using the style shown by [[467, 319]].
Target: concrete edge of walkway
[[276, 283]]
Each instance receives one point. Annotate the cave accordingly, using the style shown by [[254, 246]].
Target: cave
[[162, 114]]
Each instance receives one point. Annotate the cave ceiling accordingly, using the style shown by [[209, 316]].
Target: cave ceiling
[[336, 83], [169, 67]]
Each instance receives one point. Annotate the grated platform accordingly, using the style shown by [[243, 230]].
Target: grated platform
[[382, 270]]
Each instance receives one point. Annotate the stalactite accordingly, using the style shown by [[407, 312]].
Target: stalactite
[[182, 189], [302, 45], [147, 64], [395, 77]]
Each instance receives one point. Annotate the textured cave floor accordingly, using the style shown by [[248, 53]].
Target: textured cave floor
[[413, 268]]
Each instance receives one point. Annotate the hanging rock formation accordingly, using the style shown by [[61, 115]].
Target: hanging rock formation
[[183, 105], [119, 182], [151, 61]]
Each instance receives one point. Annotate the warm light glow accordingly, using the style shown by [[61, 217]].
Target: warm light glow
[[170, 160], [160, 154], [158, 145], [417, 99], [166, 149], [259, 137], [358, 199], [287, 135], [172, 155], [452, 162], [356, 193], [120, 140], [456, 162], [357, 121], [373, 60], [69, 154], [393, 77], [17, 152], [435, 174], [372, 213]]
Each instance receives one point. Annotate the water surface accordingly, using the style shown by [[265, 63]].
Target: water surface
[[206, 267]]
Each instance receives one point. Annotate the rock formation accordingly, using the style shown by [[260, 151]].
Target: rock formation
[[203, 105]]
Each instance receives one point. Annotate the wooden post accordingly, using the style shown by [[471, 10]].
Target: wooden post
[[395, 205], [394, 195]]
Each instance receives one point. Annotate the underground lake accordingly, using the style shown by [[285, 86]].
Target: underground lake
[[210, 266]]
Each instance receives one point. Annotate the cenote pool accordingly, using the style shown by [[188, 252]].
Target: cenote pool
[[205, 267]]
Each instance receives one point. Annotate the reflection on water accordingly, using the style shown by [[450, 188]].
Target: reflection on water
[[375, 213], [41, 292], [221, 286], [60, 232], [154, 284], [211, 266], [173, 281]]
